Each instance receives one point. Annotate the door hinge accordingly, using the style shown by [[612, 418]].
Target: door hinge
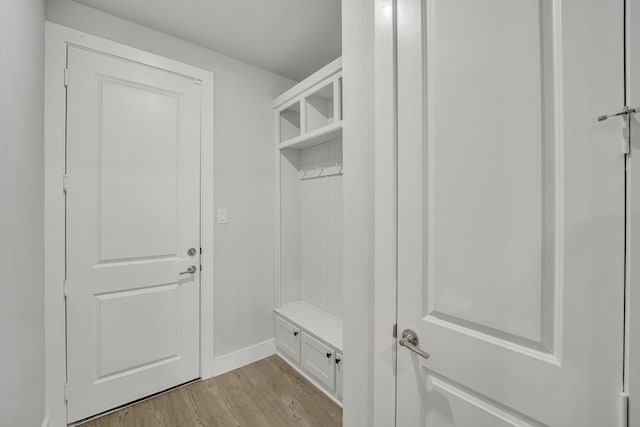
[[624, 409], [625, 114], [395, 330], [66, 392], [65, 182], [66, 77], [65, 288], [200, 267], [200, 251]]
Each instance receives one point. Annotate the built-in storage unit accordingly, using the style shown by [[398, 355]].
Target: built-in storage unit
[[288, 339], [308, 120], [339, 366]]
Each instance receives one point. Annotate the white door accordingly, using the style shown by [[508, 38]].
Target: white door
[[133, 196], [632, 366], [511, 212]]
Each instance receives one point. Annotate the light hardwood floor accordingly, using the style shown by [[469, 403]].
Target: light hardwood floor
[[267, 393]]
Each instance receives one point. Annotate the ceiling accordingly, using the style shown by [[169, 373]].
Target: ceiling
[[292, 38]]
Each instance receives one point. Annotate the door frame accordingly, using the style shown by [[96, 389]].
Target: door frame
[[57, 39], [385, 214], [631, 377]]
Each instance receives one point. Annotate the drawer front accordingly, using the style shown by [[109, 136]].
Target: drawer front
[[339, 368], [288, 339], [318, 361]]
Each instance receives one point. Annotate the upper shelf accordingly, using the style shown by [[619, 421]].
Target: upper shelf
[[319, 136], [310, 113]]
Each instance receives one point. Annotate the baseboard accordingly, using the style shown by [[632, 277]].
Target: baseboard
[[242, 357], [45, 420]]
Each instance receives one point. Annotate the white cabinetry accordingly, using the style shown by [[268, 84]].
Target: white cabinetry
[[308, 123], [338, 360], [310, 113], [311, 341], [288, 339], [318, 361]]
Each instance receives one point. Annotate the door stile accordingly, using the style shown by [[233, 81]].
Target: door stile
[[629, 371], [65, 242]]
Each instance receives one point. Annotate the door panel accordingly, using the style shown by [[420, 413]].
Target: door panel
[[510, 212], [495, 214], [466, 408], [137, 121], [143, 322], [133, 156]]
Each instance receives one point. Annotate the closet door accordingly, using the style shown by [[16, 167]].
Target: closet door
[[133, 203], [510, 213]]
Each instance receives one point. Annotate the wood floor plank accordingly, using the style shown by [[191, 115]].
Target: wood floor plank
[[267, 393], [295, 394]]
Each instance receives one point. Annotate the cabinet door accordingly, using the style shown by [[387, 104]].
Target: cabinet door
[[339, 368], [288, 339], [318, 361]]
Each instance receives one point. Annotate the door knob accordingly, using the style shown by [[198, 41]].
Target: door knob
[[410, 341], [192, 252], [192, 269]]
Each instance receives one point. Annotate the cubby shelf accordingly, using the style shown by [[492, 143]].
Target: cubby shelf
[[310, 113], [309, 167], [316, 137]]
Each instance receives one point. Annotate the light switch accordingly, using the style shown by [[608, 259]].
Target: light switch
[[222, 216]]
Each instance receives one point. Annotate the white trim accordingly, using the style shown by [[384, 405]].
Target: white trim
[[45, 421], [244, 356], [385, 212], [54, 273], [277, 254], [631, 377], [57, 40], [207, 227], [309, 84]]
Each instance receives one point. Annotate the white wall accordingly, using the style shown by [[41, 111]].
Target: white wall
[[244, 170], [21, 212], [358, 153]]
